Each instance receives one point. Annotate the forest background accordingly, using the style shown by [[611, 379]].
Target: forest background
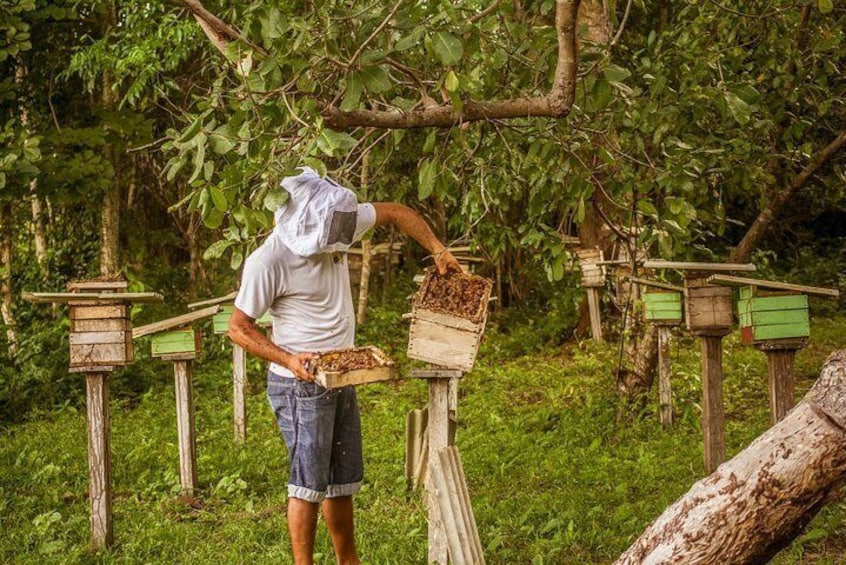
[[147, 139]]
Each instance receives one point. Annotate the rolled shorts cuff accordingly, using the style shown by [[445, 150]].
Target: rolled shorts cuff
[[306, 494], [348, 489], [332, 491]]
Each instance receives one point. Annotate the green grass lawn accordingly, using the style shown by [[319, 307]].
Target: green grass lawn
[[554, 475]]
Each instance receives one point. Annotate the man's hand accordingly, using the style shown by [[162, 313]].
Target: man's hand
[[301, 365], [445, 262]]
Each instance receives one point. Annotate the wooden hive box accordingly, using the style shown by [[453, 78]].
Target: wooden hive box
[[100, 334], [441, 334], [706, 306], [368, 365], [662, 306], [592, 274], [185, 341], [220, 321], [771, 315]]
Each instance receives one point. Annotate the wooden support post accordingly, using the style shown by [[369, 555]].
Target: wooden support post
[[438, 435], [665, 393], [713, 419], [782, 381], [99, 459], [593, 309], [183, 372], [239, 389]]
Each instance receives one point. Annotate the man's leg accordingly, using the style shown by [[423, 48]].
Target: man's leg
[[338, 514], [302, 523]]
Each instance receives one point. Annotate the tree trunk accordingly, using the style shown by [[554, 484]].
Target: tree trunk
[[757, 503], [6, 280], [110, 210]]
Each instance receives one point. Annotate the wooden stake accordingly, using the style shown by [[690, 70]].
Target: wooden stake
[[183, 372], [782, 381], [713, 419], [99, 460], [438, 435], [665, 394], [239, 388], [593, 309]]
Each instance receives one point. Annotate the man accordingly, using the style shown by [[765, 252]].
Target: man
[[300, 275]]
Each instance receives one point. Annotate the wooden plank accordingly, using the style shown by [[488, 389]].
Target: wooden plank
[[693, 266], [776, 285], [97, 285], [100, 325], [707, 292], [774, 303], [656, 298], [455, 508], [101, 354], [220, 321], [211, 301], [353, 378], [438, 436], [99, 312], [183, 373], [665, 394], [239, 392], [448, 347], [175, 322], [99, 460], [593, 310], [784, 331], [175, 342], [656, 284], [415, 431], [713, 418], [71, 297], [436, 374], [778, 317], [90, 338], [447, 320]]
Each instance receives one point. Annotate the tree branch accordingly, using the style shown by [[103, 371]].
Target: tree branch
[[764, 220]]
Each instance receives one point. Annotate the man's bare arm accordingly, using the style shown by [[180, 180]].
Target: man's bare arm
[[410, 223], [244, 331]]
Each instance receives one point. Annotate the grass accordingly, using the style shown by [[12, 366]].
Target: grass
[[554, 477]]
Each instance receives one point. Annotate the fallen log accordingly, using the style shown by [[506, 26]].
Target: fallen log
[[754, 505]]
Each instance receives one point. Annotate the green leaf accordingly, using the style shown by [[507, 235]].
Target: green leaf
[[410, 40], [426, 179], [218, 199], [825, 6], [199, 158], [352, 95], [236, 259], [275, 199], [316, 164], [601, 95], [213, 219], [446, 47], [216, 249], [451, 82], [375, 79], [616, 73], [740, 110], [221, 140]]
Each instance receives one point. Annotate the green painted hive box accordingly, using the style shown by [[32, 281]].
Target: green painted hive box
[[177, 342], [772, 315], [265, 321], [220, 321], [663, 306]]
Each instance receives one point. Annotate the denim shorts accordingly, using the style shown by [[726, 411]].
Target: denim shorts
[[322, 429]]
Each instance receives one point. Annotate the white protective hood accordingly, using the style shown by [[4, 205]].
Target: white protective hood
[[320, 216]]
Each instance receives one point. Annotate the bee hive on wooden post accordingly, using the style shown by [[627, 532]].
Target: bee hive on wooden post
[[185, 341], [662, 306], [707, 306], [356, 366], [100, 328], [769, 315], [593, 274], [448, 318]]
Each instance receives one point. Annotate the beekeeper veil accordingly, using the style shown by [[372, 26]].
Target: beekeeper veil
[[320, 216]]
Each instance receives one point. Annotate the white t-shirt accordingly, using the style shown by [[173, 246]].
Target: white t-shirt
[[308, 298]]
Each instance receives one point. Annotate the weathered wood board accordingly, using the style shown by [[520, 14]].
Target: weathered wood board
[[592, 272], [456, 511], [662, 306], [220, 321], [774, 315], [187, 340], [707, 306]]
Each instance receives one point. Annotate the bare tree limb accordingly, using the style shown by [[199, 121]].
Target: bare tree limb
[[774, 206]]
